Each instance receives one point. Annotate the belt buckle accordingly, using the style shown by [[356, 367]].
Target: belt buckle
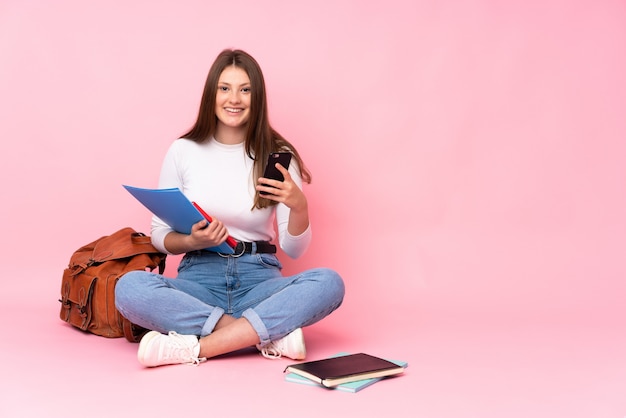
[[243, 250]]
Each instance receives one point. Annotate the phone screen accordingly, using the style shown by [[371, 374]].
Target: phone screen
[[271, 172]]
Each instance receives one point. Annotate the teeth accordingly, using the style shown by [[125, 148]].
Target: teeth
[[233, 110]]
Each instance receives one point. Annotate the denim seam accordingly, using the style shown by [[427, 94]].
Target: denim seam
[[258, 325], [211, 321]]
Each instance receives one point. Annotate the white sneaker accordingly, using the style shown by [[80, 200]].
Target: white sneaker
[[156, 349], [291, 345]]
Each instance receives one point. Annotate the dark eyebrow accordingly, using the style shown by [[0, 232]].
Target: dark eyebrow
[[228, 84]]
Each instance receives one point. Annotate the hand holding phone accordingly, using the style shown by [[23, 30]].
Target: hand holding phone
[[271, 172]]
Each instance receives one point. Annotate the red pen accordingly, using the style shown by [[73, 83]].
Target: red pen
[[230, 240]]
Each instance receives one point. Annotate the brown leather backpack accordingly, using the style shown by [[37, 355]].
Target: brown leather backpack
[[88, 285]]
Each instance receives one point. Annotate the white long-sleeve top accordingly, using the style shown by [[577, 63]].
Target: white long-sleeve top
[[219, 178]]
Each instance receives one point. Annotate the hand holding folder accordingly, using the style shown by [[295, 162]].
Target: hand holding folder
[[173, 208], [230, 240]]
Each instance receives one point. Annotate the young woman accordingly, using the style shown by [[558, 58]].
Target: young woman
[[220, 303]]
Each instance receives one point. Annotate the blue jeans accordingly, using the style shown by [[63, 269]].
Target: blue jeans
[[210, 285]]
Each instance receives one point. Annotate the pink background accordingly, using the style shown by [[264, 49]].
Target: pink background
[[469, 163]]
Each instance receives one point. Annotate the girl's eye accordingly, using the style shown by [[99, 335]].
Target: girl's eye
[[246, 89], [223, 88]]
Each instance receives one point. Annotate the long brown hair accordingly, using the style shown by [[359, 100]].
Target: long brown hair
[[261, 138]]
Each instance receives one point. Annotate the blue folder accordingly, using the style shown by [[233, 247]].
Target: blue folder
[[173, 208]]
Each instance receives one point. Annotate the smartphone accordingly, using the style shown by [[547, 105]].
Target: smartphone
[[271, 172]]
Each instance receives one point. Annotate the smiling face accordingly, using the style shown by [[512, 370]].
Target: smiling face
[[232, 105]]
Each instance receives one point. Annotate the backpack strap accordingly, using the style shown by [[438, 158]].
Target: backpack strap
[[122, 244], [132, 332]]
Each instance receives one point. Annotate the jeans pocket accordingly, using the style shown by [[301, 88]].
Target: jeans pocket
[[185, 262], [269, 261]]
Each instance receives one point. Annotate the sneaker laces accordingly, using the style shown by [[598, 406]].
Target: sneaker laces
[[271, 352], [179, 348]]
